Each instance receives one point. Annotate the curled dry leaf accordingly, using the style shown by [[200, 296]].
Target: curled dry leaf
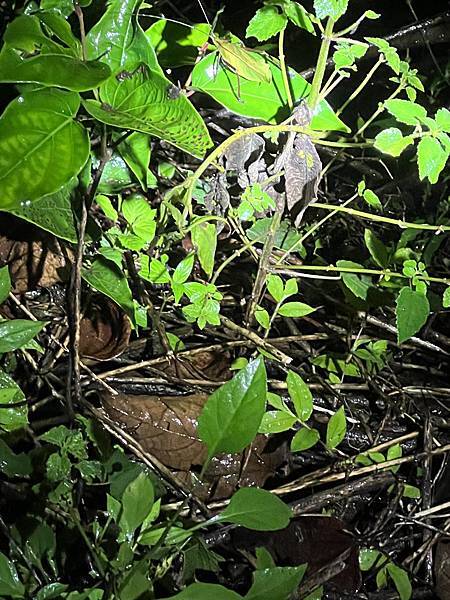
[[166, 427], [104, 330], [34, 264], [244, 156]]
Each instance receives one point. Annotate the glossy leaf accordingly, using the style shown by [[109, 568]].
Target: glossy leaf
[[276, 421], [257, 509], [330, 8], [141, 102], [52, 213], [377, 249], [13, 407], [177, 44], [105, 277], [65, 7], [16, 333], [304, 439], [137, 501], [204, 238], [136, 150], [412, 313], [336, 428], [260, 100], [206, 591], [50, 150], [276, 583], [230, 418], [52, 70], [5, 283], [300, 395], [119, 40], [10, 584], [446, 298]]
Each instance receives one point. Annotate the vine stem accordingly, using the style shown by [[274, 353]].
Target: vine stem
[[321, 64], [361, 86], [381, 219], [284, 72]]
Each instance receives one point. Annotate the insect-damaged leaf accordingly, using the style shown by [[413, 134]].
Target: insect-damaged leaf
[[139, 100]]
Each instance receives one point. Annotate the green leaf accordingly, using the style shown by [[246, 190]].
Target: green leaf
[[372, 199], [266, 23], [295, 309], [119, 40], [401, 581], [141, 102], [204, 238], [330, 8], [276, 583], [431, 158], [107, 207], [275, 287], [356, 284], [140, 217], [300, 395], [411, 491], [52, 591], [177, 44], [230, 418], [137, 501], [443, 119], [5, 283], [14, 465], [206, 591], [136, 150], [116, 175], [299, 16], [304, 439], [10, 584], [105, 277], [52, 70], [336, 428], [276, 421], [262, 317], [412, 313], [367, 558], [377, 249], [446, 298], [13, 407], [258, 99], [52, 213], [65, 7], [391, 141], [17, 333], [406, 111], [41, 146], [256, 509]]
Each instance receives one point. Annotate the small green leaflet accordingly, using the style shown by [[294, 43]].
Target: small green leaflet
[[431, 158], [5, 283], [11, 417], [204, 238], [300, 396], [412, 313], [391, 141], [267, 22], [336, 429], [304, 439], [257, 509], [401, 581]]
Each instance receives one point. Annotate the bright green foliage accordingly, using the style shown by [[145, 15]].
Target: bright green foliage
[[42, 158], [276, 583], [206, 591], [5, 284], [401, 580], [205, 303], [391, 141], [230, 419], [330, 8], [204, 238], [336, 429], [16, 417], [17, 333], [177, 44], [139, 100], [300, 396], [266, 101], [256, 509], [412, 312], [304, 439], [267, 22]]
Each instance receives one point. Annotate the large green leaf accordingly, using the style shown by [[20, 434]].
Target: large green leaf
[[256, 509], [16, 333], [13, 406], [230, 419], [258, 99], [41, 146], [52, 70], [141, 101], [206, 591], [177, 44], [52, 213], [119, 40], [10, 584], [276, 583], [412, 312]]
